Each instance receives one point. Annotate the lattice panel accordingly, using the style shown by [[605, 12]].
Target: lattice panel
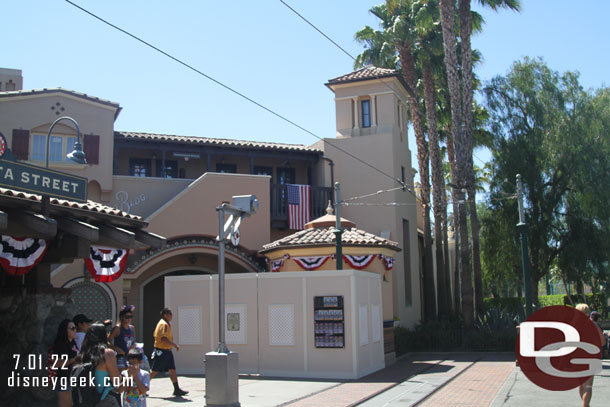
[[376, 321], [236, 334], [281, 325], [189, 325], [91, 299], [364, 326]]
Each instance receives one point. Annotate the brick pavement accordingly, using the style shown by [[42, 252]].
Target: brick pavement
[[354, 392], [475, 387], [453, 379]]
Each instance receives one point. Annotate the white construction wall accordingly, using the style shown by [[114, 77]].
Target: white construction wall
[[271, 322]]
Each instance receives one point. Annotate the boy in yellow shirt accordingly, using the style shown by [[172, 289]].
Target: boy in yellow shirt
[[162, 356]]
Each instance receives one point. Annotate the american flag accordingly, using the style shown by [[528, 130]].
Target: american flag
[[298, 206]]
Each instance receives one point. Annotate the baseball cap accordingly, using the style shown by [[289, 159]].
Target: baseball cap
[[80, 318]]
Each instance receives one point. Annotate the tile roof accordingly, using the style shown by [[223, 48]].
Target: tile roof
[[325, 236], [366, 73], [215, 141], [17, 93], [89, 206]]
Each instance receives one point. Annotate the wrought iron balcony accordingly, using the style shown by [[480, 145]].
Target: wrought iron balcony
[[319, 198]]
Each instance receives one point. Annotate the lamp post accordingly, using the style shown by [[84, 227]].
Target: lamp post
[[522, 226], [77, 155], [338, 230], [222, 366]]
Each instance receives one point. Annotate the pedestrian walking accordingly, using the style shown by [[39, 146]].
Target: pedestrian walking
[[95, 351], [595, 317], [162, 356], [123, 336], [82, 323], [586, 389], [65, 349]]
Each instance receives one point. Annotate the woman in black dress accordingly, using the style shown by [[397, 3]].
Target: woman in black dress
[[66, 350]]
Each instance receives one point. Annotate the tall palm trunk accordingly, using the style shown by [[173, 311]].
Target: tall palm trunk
[[456, 272], [438, 188], [447, 271], [476, 252], [465, 34], [447, 11], [407, 61]]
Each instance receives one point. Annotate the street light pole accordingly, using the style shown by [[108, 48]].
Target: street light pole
[[77, 155], [222, 366], [522, 226], [222, 346], [338, 231]]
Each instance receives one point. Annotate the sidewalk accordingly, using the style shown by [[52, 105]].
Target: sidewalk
[[423, 379], [518, 391]]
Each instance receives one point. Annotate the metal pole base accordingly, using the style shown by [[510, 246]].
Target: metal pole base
[[221, 379]]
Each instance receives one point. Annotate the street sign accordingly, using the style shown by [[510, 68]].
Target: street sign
[[39, 180]]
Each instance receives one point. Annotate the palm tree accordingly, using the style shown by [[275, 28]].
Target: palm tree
[[447, 13], [467, 93], [399, 32], [462, 134], [430, 41]]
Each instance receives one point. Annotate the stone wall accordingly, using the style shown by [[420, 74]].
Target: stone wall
[[28, 325]]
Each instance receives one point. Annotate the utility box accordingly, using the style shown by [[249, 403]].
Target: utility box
[[221, 379]]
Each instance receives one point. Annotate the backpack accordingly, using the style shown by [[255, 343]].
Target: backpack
[[83, 393]]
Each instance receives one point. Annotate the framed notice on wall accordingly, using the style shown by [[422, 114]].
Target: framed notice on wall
[[236, 326], [328, 314]]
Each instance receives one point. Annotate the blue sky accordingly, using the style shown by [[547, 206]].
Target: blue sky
[[259, 48]]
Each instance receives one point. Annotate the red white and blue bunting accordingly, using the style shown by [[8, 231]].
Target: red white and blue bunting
[[315, 262], [387, 261], [106, 264], [19, 255], [276, 265], [358, 262], [310, 263]]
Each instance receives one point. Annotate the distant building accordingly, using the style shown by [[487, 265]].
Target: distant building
[[176, 182]]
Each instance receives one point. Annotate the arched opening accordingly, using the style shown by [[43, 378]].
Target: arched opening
[[96, 300], [94, 191], [189, 255], [153, 293]]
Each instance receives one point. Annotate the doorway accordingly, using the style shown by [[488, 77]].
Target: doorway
[[153, 303]]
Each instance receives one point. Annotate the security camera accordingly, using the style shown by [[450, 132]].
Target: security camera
[[246, 203]]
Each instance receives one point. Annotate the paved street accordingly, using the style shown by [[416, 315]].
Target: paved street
[[423, 379]]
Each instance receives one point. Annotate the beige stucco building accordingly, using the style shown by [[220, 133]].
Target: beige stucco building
[[176, 182]]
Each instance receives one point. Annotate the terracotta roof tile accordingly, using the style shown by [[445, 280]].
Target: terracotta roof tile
[[215, 141], [325, 236], [90, 206], [370, 72], [29, 92]]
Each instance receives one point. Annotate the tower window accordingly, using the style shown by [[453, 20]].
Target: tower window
[[366, 113]]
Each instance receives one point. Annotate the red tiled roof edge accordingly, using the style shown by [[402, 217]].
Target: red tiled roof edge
[[216, 141], [90, 206]]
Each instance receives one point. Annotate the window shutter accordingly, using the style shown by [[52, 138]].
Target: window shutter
[[91, 148], [21, 144]]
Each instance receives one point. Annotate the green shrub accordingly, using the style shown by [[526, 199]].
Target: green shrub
[[495, 330], [497, 341], [443, 335], [512, 304], [595, 301], [548, 300]]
